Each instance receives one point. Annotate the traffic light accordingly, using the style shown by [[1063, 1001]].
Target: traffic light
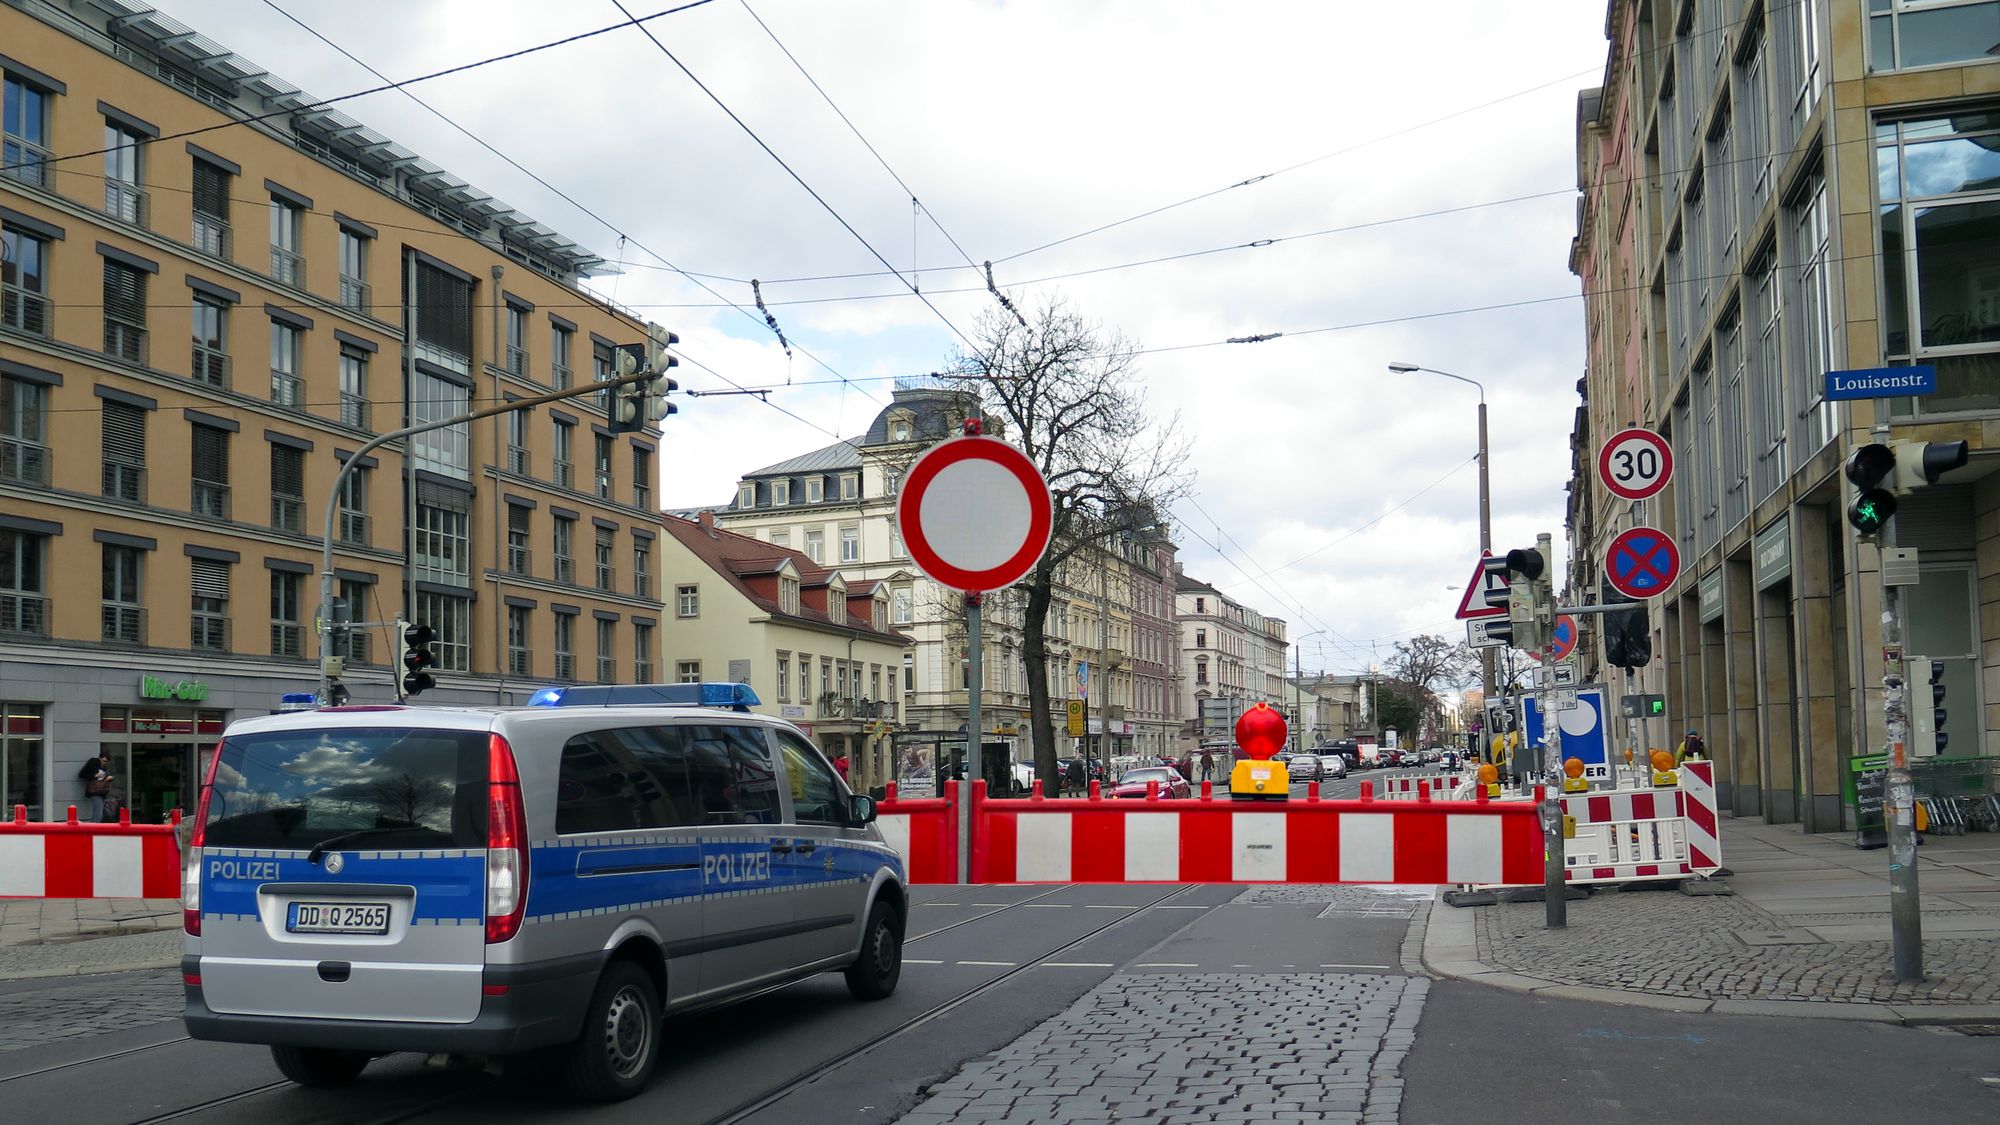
[[418, 659], [634, 406], [1925, 680], [1879, 471], [1628, 633], [1529, 608]]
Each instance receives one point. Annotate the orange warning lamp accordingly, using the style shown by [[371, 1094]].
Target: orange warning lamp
[[1662, 761], [1488, 773], [1261, 731], [1573, 781], [1573, 767]]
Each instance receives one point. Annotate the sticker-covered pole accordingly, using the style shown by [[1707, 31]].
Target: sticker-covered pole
[[974, 751]]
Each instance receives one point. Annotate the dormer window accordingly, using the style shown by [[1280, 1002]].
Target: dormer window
[[878, 614], [900, 427], [850, 485], [746, 495], [815, 489], [836, 604], [788, 595]]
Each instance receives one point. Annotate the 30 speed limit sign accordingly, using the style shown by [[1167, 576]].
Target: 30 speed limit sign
[[1635, 464]]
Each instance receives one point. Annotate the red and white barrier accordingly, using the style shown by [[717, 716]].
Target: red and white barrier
[[1217, 840], [1636, 835], [1439, 787], [76, 860]]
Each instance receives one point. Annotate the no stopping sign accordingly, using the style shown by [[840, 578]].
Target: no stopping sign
[[975, 514]]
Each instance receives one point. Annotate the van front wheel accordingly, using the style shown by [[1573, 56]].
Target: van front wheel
[[874, 974], [621, 1037], [319, 1066]]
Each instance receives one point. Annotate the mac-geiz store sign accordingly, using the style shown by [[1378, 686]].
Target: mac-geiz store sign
[[184, 691]]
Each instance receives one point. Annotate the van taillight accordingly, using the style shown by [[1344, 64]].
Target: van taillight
[[506, 849], [191, 862]]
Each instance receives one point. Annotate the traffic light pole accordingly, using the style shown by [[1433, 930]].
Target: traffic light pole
[[1555, 881], [325, 625]]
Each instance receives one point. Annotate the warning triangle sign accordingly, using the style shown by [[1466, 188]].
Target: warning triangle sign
[[1488, 574]]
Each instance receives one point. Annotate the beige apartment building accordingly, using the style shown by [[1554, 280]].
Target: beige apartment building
[[205, 317], [1235, 658], [1772, 191], [814, 643]]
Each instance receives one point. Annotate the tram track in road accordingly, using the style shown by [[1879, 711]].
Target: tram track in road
[[57, 1068]]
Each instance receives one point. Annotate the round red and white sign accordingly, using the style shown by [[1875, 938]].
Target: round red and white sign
[[975, 514], [1635, 463]]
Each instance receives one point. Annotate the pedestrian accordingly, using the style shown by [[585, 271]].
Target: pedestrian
[[96, 777], [1691, 749], [840, 764], [1073, 776], [1207, 766]]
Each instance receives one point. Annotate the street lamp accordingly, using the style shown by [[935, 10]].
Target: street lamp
[[1400, 367], [1298, 687]]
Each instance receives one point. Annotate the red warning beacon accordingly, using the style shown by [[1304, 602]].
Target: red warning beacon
[[1260, 733]]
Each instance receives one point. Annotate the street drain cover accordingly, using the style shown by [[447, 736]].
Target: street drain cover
[[1792, 935]]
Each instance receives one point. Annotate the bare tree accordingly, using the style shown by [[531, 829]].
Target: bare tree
[[1426, 662], [1067, 394]]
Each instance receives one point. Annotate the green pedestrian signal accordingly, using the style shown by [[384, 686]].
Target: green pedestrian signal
[[1656, 706]]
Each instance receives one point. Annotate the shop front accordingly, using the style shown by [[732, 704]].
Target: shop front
[[155, 755]]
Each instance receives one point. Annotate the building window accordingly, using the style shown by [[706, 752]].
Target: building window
[[21, 755], [517, 443], [288, 488], [444, 319], [815, 489], [351, 512], [519, 534], [287, 635], [1201, 671], [896, 550], [564, 549], [353, 269], [211, 209], [124, 614], [447, 451], [210, 366], [899, 427], [606, 568], [781, 537], [566, 647], [124, 198], [517, 340], [603, 370], [788, 595], [353, 388], [892, 481], [850, 544], [288, 388], [1201, 605], [746, 496], [1911, 33], [805, 678], [559, 345], [124, 452], [607, 660], [287, 268], [519, 663], [909, 672], [688, 671], [836, 604], [642, 653], [564, 435], [850, 486], [1811, 332], [899, 606], [687, 601], [642, 477], [352, 644], [24, 138], [444, 538], [24, 282], [642, 567], [208, 470], [24, 604], [816, 544], [124, 312], [24, 452], [601, 460], [452, 618], [1201, 638]]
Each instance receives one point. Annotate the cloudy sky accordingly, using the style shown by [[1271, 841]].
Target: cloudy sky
[[1420, 171]]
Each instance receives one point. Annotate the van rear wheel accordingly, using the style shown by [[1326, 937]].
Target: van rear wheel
[[319, 1066], [614, 1056], [874, 974]]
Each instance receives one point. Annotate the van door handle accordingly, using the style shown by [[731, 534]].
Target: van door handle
[[781, 849], [807, 849]]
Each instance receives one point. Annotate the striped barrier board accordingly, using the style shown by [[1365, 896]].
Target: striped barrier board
[[75, 860], [1441, 787]]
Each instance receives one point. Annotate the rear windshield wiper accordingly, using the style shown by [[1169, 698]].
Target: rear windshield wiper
[[320, 848]]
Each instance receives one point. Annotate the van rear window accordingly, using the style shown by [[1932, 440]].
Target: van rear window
[[368, 787]]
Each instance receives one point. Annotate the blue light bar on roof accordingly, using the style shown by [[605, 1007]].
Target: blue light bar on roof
[[738, 696]]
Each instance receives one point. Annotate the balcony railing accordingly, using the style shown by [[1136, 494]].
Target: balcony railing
[[24, 615], [607, 670], [126, 202], [287, 512], [642, 671], [519, 662], [206, 498], [847, 707], [353, 645], [124, 624], [559, 376], [287, 639], [25, 161], [125, 482], [23, 462], [354, 293], [208, 632], [565, 569], [287, 268], [210, 368], [603, 484], [565, 666], [607, 578], [519, 559], [517, 360], [562, 474], [22, 311], [353, 410], [517, 460], [288, 390], [125, 341], [642, 496], [211, 236], [352, 527]]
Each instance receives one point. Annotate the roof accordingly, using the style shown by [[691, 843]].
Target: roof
[[738, 558], [1185, 585], [840, 455]]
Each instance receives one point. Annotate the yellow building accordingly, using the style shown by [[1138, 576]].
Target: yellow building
[[815, 645], [204, 318]]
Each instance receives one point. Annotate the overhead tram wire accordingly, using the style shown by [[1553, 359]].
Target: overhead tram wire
[[800, 180], [1307, 615], [560, 193]]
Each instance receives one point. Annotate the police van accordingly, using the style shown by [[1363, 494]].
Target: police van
[[494, 881]]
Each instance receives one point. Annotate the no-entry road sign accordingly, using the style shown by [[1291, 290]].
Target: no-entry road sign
[[1642, 562], [1635, 463], [975, 514]]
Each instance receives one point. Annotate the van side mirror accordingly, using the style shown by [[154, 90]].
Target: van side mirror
[[860, 809]]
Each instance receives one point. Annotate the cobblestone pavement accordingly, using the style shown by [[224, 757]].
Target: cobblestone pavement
[[71, 936], [79, 1011], [1181, 1049], [158, 949], [1714, 948]]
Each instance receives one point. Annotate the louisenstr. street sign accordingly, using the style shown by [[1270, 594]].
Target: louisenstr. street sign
[[1881, 382]]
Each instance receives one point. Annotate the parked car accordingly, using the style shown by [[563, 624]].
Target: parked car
[[1332, 767], [1132, 783], [1305, 767]]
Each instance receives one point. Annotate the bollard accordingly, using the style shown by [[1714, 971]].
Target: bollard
[[1152, 790], [1096, 790], [889, 791], [72, 816], [1367, 790], [1312, 790], [1207, 790], [1423, 790], [20, 815], [1035, 790]]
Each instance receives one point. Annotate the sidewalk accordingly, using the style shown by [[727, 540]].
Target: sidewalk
[[61, 937], [1806, 933]]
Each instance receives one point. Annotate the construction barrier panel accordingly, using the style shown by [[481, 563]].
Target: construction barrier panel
[[1440, 787], [76, 860], [1217, 840]]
